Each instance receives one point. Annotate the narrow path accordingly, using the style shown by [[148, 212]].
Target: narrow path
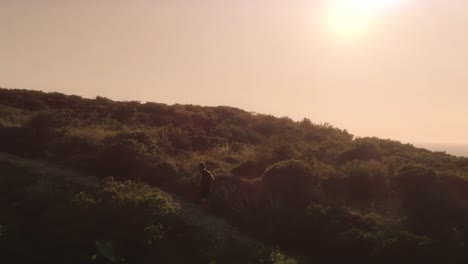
[[45, 168]]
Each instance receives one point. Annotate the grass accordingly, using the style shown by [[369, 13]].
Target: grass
[[96, 134], [14, 117]]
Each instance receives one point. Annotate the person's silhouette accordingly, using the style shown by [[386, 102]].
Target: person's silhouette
[[206, 182]]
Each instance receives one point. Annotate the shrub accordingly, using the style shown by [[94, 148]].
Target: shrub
[[161, 173], [129, 217], [290, 179], [428, 203], [180, 139], [361, 150], [247, 169], [279, 258], [284, 151], [366, 182], [143, 137], [121, 159]]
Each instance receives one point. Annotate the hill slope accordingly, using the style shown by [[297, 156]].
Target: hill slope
[[53, 196], [312, 190]]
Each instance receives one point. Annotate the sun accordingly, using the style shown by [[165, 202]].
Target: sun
[[353, 18]]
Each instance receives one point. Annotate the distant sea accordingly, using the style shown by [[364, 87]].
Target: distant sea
[[453, 149]]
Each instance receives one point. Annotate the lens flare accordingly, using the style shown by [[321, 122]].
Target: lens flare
[[353, 18]]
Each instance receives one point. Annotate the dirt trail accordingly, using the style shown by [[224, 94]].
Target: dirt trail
[[47, 169]]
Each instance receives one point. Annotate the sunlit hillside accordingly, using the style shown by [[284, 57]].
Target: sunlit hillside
[[101, 181]]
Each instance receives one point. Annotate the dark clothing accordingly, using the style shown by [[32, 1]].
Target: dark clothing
[[206, 183]]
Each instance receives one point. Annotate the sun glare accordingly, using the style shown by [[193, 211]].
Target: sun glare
[[353, 18]]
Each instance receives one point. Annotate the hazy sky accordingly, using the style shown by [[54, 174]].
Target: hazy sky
[[394, 69]]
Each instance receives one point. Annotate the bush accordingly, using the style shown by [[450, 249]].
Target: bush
[[279, 258], [161, 173], [367, 182], [430, 206], [126, 218], [143, 137], [121, 159], [362, 150], [33, 139], [284, 151], [179, 139], [290, 179], [247, 169]]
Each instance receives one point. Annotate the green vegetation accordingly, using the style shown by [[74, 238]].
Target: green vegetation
[[98, 181]]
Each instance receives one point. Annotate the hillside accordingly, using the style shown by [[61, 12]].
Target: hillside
[[55, 215], [99, 181]]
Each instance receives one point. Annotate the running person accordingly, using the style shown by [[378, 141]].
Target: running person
[[206, 182]]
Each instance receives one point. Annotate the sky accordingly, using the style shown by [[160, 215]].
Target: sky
[[393, 69]]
